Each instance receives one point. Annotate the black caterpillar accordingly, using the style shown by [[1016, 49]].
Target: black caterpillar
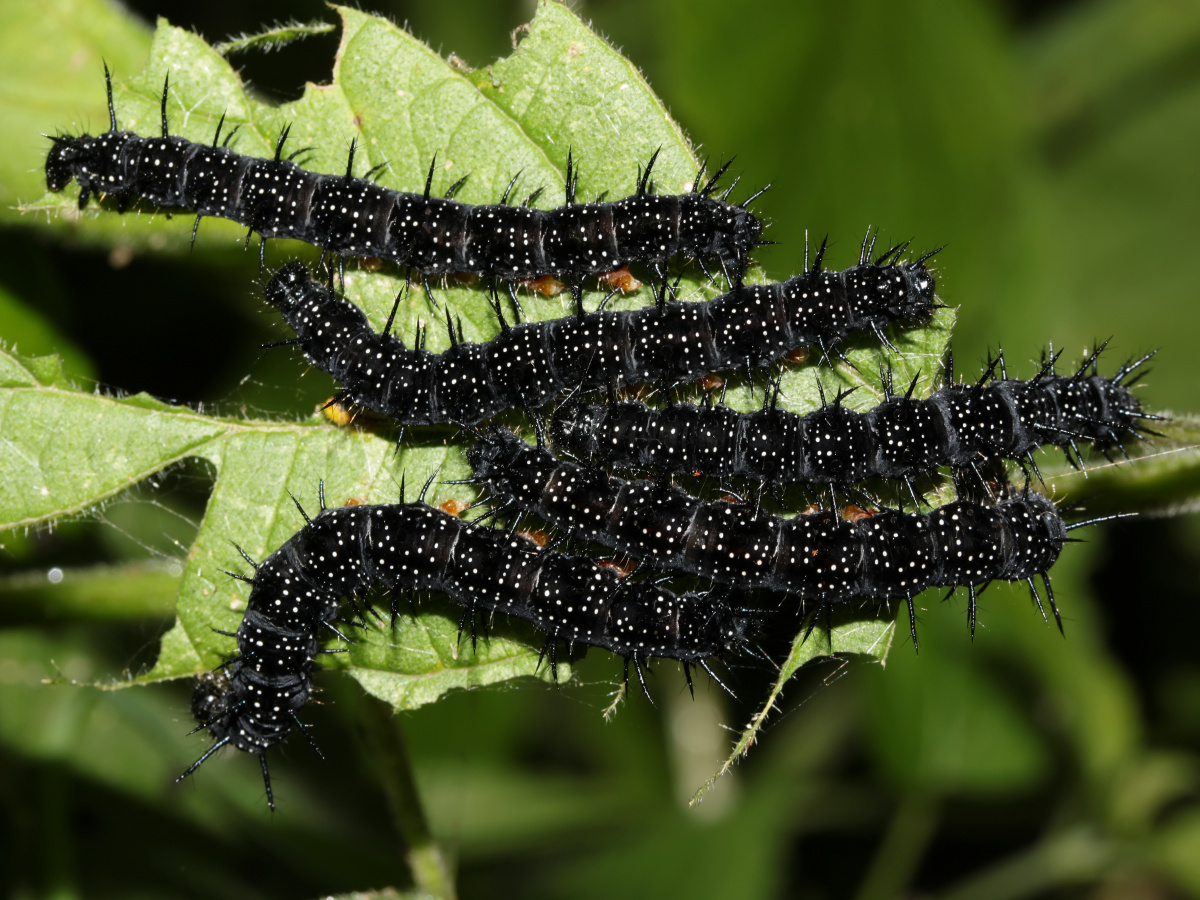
[[819, 557], [903, 437], [254, 702], [351, 216], [526, 365]]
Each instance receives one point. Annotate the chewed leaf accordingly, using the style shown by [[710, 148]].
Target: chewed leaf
[[564, 91]]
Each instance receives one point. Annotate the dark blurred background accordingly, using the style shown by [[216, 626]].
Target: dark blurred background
[[1051, 146]]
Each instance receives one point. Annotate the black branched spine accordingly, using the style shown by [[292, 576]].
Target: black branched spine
[[903, 437], [342, 553], [351, 216], [820, 557], [528, 364]]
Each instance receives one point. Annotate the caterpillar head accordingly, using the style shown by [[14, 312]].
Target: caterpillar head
[[912, 293], [718, 624], [212, 701], [1123, 415], [741, 626], [513, 470], [496, 454], [711, 228], [65, 157], [287, 287], [572, 426]]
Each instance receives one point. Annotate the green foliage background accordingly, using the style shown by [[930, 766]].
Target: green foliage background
[[1053, 151]]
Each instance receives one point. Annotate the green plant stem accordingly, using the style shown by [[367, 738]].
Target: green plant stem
[[431, 874], [901, 849]]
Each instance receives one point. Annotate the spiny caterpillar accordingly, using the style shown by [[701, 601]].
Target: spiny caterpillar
[[253, 701], [528, 364], [819, 557], [903, 437], [350, 216]]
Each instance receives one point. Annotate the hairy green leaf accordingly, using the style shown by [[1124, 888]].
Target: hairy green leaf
[[1164, 480]]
